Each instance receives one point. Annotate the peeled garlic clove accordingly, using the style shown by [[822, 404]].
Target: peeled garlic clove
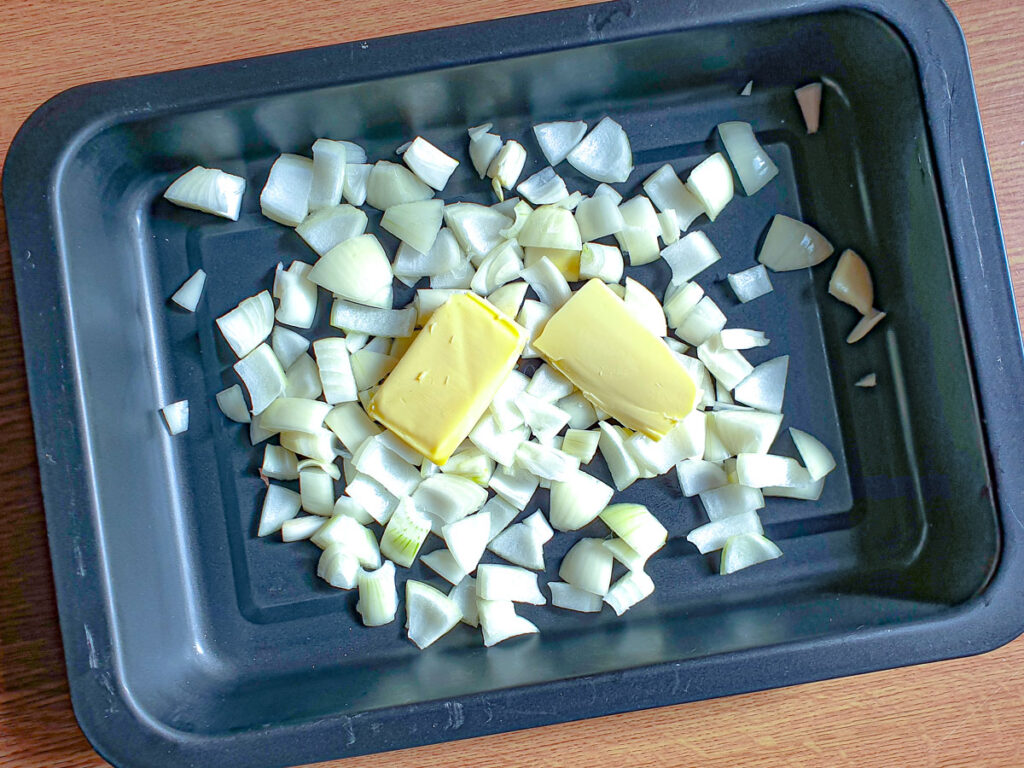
[[851, 283]]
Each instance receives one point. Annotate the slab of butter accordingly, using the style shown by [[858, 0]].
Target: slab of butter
[[620, 366], [444, 382]]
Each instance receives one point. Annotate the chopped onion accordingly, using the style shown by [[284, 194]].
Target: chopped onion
[[430, 614], [701, 323], [765, 387], [353, 152], [746, 431], [354, 538], [546, 462], [500, 445], [429, 163], [577, 500], [532, 317], [294, 414], [809, 98], [851, 283], [297, 295], [501, 514], [483, 148], [605, 153], [208, 190], [698, 476], [463, 595], [667, 192], [711, 183], [335, 366], [748, 88], [817, 458], [544, 418], [395, 444], [791, 244], [405, 533], [599, 216], [279, 504], [506, 413], [509, 298], [601, 261], [444, 565], [416, 223], [519, 545], [628, 591], [386, 467], [690, 256], [316, 491], [865, 326], [639, 236], [684, 441], [746, 549], [378, 598], [603, 190], [868, 380], [742, 338], [762, 470], [319, 446], [393, 323], [357, 175], [285, 197], [392, 184], [521, 212], [544, 187], [753, 165], [448, 497], [246, 326], [557, 140], [476, 227], [620, 462], [499, 621], [467, 538], [810, 492], [713, 535], [357, 269], [256, 434], [581, 443], [625, 554], [508, 582], [669, 227], [232, 404], [188, 295], [751, 283], [587, 566], [550, 226], [582, 414], [369, 368], [506, 167], [301, 528], [287, 345], [338, 567], [645, 307], [279, 464], [634, 524], [329, 158], [548, 384], [303, 379], [262, 375], [351, 424], [539, 527], [727, 365], [681, 302], [500, 266], [547, 282], [442, 257], [176, 417], [330, 468], [514, 484], [569, 597]]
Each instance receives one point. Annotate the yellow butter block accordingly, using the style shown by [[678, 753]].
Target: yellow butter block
[[444, 382], [619, 365]]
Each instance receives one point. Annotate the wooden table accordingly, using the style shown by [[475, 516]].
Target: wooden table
[[963, 712]]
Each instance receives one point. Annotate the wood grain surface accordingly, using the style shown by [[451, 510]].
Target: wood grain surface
[[966, 712]]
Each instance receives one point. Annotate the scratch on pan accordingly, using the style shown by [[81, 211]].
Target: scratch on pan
[[455, 716], [350, 732], [974, 221], [94, 659]]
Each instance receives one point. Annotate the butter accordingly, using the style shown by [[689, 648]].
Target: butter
[[621, 367], [444, 382]]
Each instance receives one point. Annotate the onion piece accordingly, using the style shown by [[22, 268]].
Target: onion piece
[[546, 462], [519, 545], [639, 236], [357, 176], [416, 223], [603, 190], [356, 539], [279, 504], [370, 368], [572, 599], [393, 323], [750, 284], [601, 261], [681, 302], [792, 244], [499, 621], [748, 88], [545, 187], [582, 414], [356, 269], [711, 536], [500, 445], [645, 308], [634, 524], [302, 379], [514, 484], [463, 595], [353, 152], [548, 384], [628, 591], [279, 464], [851, 283], [448, 497], [335, 366], [746, 431], [378, 598], [483, 148], [667, 192], [256, 434], [577, 500], [467, 538], [557, 140], [581, 443], [711, 183], [868, 380], [329, 159], [476, 227], [295, 415], [176, 417], [587, 566], [386, 467], [698, 476], [232, 404], [301, 528], [816, 457], [287, 345], [810, 492], [508, 582], [508, 299], [188, 295], [285, 197], [501, 514], [337, 566], [319, 445], [405, 533], [392, 184], [605, 153], [539, 527], [684, 441], [208, 190], [753, 165], [765, 387], [430, 614], [429, 163], [746, 549], [701, 323], [444, 565], [669, 227], [506, 413], [351, 424], [762, 470], [551, 227], [865, 326], [599, 216], [742, 338], [547, 282], [373, 497], [532, 318], [690, 256], [297, 295], [809, 99], [544, 418], [727, 365], [521, 212], [506, 167], [330, 468], [316, 491], [263, 377], [246, 326], [502, 265], [443, 256], [620, 462]]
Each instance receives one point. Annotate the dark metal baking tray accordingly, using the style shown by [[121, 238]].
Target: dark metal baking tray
[[189, 642]]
